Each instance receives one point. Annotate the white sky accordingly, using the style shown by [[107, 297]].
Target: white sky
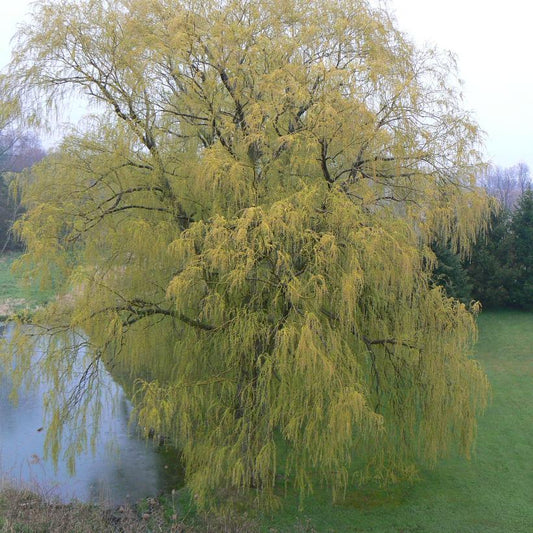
[[492, 42], [11, 13]]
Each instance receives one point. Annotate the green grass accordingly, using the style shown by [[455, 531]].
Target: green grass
[[14, 295], [491, 493]]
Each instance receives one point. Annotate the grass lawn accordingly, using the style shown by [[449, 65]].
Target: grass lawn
[[13, 295], [491, 493]]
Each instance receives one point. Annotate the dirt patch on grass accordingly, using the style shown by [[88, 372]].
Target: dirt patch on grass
[[23, 511]]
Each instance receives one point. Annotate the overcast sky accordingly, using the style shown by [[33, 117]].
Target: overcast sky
[[11, 13], [493, 45]]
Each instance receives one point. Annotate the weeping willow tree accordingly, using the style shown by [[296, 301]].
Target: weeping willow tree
[[243, 228]]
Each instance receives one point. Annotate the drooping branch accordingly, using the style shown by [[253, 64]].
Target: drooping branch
[[385, 342], [137, 310]]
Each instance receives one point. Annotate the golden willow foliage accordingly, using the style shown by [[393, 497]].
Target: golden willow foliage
[[243, 229]]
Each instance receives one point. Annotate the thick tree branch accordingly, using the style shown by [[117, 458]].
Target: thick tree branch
[[138, 309]]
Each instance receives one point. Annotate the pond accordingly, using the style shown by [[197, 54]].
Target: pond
[[123, 468]]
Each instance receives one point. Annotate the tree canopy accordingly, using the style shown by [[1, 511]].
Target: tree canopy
[[244, 228]]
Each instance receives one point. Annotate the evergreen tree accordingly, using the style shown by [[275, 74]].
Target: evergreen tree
[[489, 267], [450, 273], [521, 259]]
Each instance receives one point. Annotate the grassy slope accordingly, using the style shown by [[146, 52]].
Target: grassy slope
[[491, 493], [14, 295]]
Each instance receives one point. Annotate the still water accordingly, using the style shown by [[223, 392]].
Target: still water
[[123, 467]]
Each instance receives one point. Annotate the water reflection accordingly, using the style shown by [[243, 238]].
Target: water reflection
[[122, 468]]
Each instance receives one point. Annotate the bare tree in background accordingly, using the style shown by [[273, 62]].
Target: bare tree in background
[[507, 184], [18, 151]]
